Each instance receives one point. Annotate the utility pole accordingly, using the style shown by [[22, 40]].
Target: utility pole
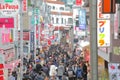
[[93, 40], [21, 41]]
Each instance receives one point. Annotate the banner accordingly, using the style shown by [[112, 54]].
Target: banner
[[82, 19]]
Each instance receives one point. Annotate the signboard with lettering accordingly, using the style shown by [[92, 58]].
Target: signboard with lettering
[[7, 22], [32, 42], [82, 19], [9, 9], [103, 27]]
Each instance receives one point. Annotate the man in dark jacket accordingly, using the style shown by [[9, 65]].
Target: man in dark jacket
[[84, 71]]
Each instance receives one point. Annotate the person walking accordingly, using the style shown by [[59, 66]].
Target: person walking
[[60, 71]]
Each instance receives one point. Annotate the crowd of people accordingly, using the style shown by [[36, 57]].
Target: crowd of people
[[58, 62]]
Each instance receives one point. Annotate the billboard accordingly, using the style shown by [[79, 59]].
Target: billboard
[[103, 27], [7, 22], [82, 19], [9, 8]]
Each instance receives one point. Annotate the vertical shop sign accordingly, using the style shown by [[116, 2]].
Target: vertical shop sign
[[103, 27], [82, 19], [24, 6], [32, 42]]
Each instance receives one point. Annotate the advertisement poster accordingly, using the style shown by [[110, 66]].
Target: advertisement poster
[[114, 71], [32, 42], [82, 19]]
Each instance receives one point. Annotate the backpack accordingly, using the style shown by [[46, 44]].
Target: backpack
[[39, 77], [32, 74], [79, 73]]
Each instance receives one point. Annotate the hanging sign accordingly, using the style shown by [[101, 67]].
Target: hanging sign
[[103, 27]]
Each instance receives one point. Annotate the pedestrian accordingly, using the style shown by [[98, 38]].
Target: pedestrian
[[79, 73], [53, 72], [11, 76], [60, 71], [84, 71]]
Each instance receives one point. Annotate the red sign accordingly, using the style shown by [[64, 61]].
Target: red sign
[[2, 78], [24, 7], [1, 66], [108, 6], [78, 2], [1, 72], [26, 35], [7, 22]]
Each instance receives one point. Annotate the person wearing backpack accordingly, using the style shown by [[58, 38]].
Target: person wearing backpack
[[79, 73]]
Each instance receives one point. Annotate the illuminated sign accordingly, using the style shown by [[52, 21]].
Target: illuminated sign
[[9, 9], [103, 27]]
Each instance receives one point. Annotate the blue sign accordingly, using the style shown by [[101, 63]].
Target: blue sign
[[32, 42], [82, 19]]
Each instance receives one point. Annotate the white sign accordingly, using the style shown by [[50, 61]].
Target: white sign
[[9, 9], [103, 33], [103, 27]]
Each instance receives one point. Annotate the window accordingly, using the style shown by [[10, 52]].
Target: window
[[57, 20], [52, 20], [62, 21], [77, 23], [53, 7], [61, 8], [70, 20]]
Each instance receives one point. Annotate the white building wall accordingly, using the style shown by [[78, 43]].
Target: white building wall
[[59, 16]]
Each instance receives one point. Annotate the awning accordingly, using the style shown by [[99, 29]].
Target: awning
[[61, 28]]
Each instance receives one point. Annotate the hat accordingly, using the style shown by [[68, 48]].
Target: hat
[[37, 60]]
